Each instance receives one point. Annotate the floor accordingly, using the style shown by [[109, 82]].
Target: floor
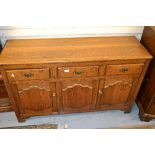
[[91, 120]]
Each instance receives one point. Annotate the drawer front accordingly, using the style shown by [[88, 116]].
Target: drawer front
[[77, 71], [124, 69], [28, 74]]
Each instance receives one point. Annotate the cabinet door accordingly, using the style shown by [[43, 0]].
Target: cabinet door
[[77, 95], [33, 97], [115, 91]]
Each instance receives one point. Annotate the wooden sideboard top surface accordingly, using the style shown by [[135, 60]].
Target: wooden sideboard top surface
[[57, 50]]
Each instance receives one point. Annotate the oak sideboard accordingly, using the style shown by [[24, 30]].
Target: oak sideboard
[[71, 75]]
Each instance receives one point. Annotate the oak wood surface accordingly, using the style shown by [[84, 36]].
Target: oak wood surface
[[32, 51]]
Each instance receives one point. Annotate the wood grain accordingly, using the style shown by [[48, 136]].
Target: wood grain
[[72, 50]]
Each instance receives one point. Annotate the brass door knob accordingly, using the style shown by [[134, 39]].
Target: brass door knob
[[100, 92]]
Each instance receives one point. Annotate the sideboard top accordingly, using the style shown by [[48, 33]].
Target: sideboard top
[[32, 51]]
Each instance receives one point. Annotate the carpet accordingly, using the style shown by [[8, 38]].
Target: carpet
[[137, 127], [39, 126]]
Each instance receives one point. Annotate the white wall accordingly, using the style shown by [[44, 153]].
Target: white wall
[[55, 32]]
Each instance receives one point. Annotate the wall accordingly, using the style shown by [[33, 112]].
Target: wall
[[52, 32]]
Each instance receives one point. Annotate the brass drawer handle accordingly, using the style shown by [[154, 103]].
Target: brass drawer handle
[[78, 72], [28, 75], [124, 70]]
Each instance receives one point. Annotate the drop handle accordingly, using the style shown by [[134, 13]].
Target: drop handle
[[78, 72], [124, 70], [28, 75]]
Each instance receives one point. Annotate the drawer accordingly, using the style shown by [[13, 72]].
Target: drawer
[[77, 71], [124, 69], [28, 74]]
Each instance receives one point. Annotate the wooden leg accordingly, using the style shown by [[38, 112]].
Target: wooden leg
[[143, 118], [127, 111], [21, 120]]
